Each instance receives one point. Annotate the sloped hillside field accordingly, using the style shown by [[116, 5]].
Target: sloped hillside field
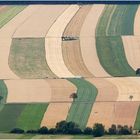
[[69, 62]]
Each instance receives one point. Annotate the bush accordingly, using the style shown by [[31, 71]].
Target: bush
[[112, 130], [98, 130], [64, 127], [88, 131], [52, 131], [43, 130], [31, 131], [17, 131]]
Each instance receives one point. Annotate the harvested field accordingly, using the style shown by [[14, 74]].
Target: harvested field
[[136, 22], [114, 20], [26, 91], [56, 112], [71, 49], [126, 112], [9, 116], [106, 90], [6, 33], [27, 58], [112, 57], [39, 23], [82, 106], [61, 90], [53, 42], [137, 121], [132, 50], [31, 116], [102, 112], [126, 88], [87, 42], [3, 94]]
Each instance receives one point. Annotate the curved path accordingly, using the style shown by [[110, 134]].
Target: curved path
[[28, 91], [126, 88], [53, 42], [125, 113], [60, 102], [103, 108], [40, 22], [132, 50], [87, 42], [71, 49], [137, 23], [6, 33]]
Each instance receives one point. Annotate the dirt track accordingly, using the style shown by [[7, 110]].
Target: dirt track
[[87, 42], [71, 49], [53, 43], [55, 112], [39, 23], [28, 91], [132, 50], [126, 88], [61, 90]]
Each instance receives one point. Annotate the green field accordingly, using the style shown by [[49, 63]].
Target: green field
[[9, 116], [117, 20], [81, 108], [31, 116], [27, 58], [137, 121], [3, 94], [9, 13], [112, 57]]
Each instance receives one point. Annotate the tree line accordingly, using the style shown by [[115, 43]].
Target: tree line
[[64, 127]]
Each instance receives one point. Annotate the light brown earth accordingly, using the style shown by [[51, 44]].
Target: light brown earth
[[132, 50], [71, 49], [126, 112], [137, 22], [87, 42], [6, 33], [102, 112], [39, 23], [55, 112], [126, 88], [106, 90], [28, 91], [61, 90], [53, 43]]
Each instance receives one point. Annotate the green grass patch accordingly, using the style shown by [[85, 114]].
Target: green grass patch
[[112, 57], [31, 116], [137, 121], [9, 116], [10, 13], [3, 94], [117, 20], [81, 108], [27, 58]]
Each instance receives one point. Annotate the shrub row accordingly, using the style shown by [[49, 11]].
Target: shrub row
[[64, 127]]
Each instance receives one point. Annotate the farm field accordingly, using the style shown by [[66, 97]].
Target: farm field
[[69, 62]]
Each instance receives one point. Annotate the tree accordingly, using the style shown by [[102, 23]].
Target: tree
[[138, 72], [131, 97], [17, 131], [52, 131], [88, 131], [73, 96], [98, 130], [112, 130], [43, 130], [31, 131]]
